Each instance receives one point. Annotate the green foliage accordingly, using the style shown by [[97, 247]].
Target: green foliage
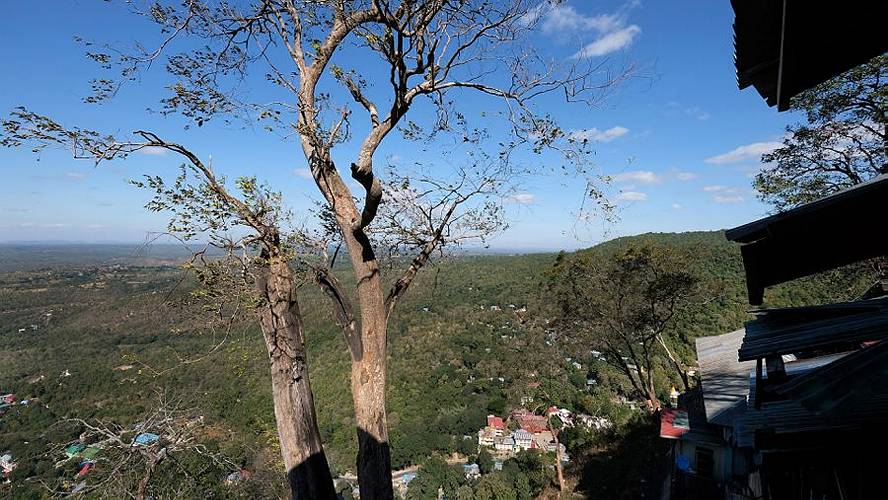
[[485, 461], [622, 302], [123, 328], [842, 142], [435, 474], [495, 486]]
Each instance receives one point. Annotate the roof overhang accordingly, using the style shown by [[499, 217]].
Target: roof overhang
[[783, 47], [834, 231]]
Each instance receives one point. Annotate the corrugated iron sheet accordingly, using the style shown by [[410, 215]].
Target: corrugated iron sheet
[[785, 331], [725, 379]]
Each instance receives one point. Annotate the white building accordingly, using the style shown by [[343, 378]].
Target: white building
[[523, 439], [505, 444]]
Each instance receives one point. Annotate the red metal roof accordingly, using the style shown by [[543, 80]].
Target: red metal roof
[[673, 423], [495, 422], [532, 423]]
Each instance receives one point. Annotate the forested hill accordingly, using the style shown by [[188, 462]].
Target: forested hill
[[90, 340], [725, 307]]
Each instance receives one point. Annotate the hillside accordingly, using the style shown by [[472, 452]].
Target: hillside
[[454, 359]]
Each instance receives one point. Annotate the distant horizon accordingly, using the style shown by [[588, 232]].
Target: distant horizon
[[469, 249], [681, 143]]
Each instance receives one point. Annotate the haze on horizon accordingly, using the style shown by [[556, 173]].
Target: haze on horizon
[[679, 140]]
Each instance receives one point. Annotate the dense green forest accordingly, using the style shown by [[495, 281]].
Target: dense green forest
[[102, 340]]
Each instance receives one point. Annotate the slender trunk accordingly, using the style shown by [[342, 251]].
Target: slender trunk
[[146, 478], [678, 366], [369, 359], [557, 455], [307, 471], [368, 380], [374, 455]]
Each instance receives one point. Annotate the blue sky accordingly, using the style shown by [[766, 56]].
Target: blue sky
[[681, 142]]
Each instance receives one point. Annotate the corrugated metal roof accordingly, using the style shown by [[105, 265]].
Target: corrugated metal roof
[[845, 386], [780, 48], [790, 417], [725, 379], [784, 331], [815, 237], [843, 392]]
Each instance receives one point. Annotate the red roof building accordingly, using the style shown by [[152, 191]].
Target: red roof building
[[496, 422]]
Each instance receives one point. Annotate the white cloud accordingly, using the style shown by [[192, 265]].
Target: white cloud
[[522, 198], [563, 22], [75, 175], [609, 43], [752, 151], [677, 206], [564, 18], [685, 176], [595, 135], [698, 113], [730, 198], [153, 150], [643, 176], [724, 194], [632, 196], [303, 172]]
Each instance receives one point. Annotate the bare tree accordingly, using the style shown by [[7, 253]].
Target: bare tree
[[127, 467], [431, 51]]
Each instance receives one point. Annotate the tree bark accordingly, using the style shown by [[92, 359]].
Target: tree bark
[[676, 363], [368, 380], [368, 376], [146, 478], [307, 470]]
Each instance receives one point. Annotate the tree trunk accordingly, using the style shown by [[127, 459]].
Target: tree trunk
[[307, 470], [675, 363], [557, 455], [374, 455], [369, 355], [146, 478], [368, 381]]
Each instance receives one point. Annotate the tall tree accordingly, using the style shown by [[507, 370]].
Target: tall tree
[[413, 54], [843, 141], [622, 303]]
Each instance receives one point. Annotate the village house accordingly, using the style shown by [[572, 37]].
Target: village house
[[7, 465], [593, 422], [486, 437], [504, 444], [472, 471], [529, 422], [495, 428], [522, 439]]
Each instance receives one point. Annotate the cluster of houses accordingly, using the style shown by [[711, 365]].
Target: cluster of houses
[[532, 432], [7, 401]]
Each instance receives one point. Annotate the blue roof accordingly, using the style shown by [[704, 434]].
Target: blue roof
[[146, 438]]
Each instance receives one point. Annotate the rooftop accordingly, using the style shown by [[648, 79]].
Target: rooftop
[[777, 249], [781, 48], [725, 379]]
